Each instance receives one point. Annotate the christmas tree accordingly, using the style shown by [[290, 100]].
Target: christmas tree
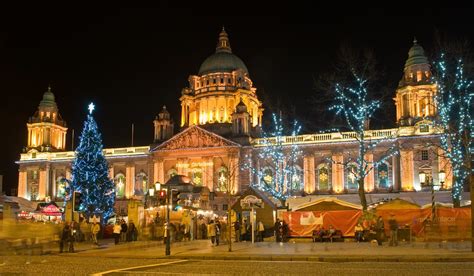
[[90, 172]]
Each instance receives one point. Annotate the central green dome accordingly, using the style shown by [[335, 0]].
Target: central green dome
[[223, 60]]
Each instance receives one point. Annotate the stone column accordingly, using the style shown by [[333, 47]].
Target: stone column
[[22, 188], [130, 179], [209, 170], [53, 185], [396, 173], [369, 181], [159, 171], [338, 172], [43, 182], [111, 172], [406, 170], [309, 179], [234, 170]]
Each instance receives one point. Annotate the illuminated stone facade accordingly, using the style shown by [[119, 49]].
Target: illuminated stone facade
[[220, 120], [212, 96]]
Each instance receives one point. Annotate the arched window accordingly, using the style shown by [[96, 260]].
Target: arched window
[[323, 177], [351, 176], [60, 187], [382, 176], [222, 179], [141, 183], [297, 179], [268, 176], [120, 182], [171, 172], [196, 176]]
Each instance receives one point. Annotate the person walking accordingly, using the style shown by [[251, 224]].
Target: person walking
[[261, 231], [95, 229], [65, 237], [211, 231], [117, 231], [393, 224]]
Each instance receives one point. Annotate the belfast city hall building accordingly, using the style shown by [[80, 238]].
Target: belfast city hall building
[[220, 124]]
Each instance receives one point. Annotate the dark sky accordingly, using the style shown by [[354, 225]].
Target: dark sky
[[130, 61]]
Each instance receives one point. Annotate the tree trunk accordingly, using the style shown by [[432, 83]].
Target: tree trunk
[[363, 200], [229, 219], [456, 202]]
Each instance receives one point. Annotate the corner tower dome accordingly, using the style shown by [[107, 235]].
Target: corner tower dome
[[222, 60], [416, 55]]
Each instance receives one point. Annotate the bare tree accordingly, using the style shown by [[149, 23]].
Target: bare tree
[[353, 102], [454, 101]]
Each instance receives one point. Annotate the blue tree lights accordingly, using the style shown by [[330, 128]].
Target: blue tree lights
[[90, 172], [277, 168], [353, 103], [455, 117]]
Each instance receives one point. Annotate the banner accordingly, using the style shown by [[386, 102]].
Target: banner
[[302, 224], [454, 223]]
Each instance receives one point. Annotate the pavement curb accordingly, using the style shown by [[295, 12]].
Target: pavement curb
[[331, 259]]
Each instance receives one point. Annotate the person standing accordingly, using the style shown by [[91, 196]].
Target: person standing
[[392, 222], [117, 231], [359, 232], [218, 231], [65, 237], [261, 231], [244, 231], [123, 233], [237, 231], [276, 229], [211, 231], [380, 228], [132, 232], [95, 229]]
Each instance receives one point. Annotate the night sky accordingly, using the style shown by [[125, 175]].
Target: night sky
[[130, 61]]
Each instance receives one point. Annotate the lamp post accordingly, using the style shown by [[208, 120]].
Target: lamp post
[[442, 178]]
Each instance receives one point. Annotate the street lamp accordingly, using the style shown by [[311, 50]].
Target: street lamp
[[442, 178], [428, 181]]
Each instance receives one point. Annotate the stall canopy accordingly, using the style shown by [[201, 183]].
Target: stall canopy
[[327, 204], [396, 204]]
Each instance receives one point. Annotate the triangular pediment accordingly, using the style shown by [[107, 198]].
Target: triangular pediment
[[195, 137]]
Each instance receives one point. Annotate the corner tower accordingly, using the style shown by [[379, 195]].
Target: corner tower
[[414, 98], [46, 129], [164, 126], [214, 93]]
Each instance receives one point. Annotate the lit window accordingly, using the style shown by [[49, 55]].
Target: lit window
[[418, 75], [424, 155]]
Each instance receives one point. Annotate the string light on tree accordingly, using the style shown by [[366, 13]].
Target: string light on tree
[[454, 103], [90, 172], [352, 101], [281, 160]]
